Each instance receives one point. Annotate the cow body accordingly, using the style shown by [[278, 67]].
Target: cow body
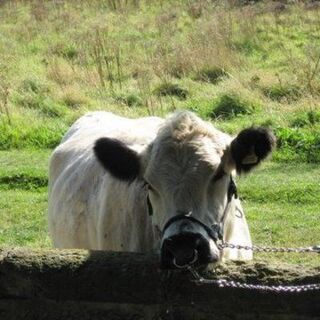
[[91, 208], [88, 207]]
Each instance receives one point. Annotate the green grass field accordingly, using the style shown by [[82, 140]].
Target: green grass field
[[233, 64]]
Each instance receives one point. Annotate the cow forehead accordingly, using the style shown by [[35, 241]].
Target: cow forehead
[[185, 126], [186, 142], [199, 150]]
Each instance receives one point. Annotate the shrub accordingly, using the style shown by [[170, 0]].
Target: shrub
[[34, 94], [60, 71], [195, 10], [68, 51], [299, 121], [230, 105], [248, 46], [131, 100], [211, 74], [313, 117], [278, 92], [42, 103], [33, 85], [23, 133], [52, 108], [171, 89], [73, 97], [266, 123], [305, 119], [298, 144]]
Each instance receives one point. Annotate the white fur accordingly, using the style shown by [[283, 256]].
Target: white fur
[[89, 208]]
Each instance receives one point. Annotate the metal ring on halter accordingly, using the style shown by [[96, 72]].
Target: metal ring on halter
[[195, 258]]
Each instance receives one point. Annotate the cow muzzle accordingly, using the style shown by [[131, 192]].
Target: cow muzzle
[[186, 242], [182, 250]]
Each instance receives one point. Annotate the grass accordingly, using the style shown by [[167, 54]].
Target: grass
[[22, 218], [171, 89], [231, 105], [277, 92], [212, 75], [23, 194], [145, 57], [281, 202]]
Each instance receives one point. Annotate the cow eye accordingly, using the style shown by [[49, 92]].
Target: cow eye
[[218, 175], [148, 186]]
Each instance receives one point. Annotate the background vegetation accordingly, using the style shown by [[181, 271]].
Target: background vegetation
[[234, 63]]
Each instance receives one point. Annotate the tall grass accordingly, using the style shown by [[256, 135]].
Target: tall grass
[[121, 55]]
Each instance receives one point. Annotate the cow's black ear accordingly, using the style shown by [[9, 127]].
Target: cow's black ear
[[121, 161], [251, 146]]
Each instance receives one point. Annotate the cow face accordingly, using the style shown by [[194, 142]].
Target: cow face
[[188, 170]]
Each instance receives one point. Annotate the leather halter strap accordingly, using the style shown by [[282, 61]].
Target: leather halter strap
[[214, 232]]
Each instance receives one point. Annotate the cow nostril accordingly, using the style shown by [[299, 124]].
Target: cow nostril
[[185, 249], [185, 263]]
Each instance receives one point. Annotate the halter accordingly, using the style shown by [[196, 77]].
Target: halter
[[215, 231]]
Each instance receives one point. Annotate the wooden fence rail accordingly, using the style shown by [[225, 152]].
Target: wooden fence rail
[[80, 284]]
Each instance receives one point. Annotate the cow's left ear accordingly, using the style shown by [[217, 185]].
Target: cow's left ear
[[117, 158], [250, 147]]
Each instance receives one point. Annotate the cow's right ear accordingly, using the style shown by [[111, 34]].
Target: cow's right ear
[[248, 149], [122, 162], [251, 146]]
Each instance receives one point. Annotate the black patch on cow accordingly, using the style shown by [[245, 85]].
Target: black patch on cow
[[257, 142], [122, 162]]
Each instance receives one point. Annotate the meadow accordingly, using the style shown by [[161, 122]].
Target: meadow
[[234, 64]]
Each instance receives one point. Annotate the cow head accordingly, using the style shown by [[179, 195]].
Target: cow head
[[188, 170]]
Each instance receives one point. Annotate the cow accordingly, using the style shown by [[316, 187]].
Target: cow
[[153, 184]]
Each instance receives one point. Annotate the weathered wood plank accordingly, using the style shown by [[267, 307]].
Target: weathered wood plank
[[80, 284]]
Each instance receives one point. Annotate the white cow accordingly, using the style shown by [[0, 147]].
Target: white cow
[[152, 184]]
